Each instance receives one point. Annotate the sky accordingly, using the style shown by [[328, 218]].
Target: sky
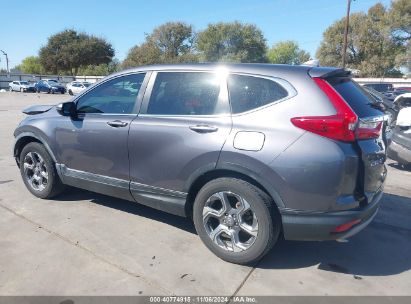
[[123, 23]]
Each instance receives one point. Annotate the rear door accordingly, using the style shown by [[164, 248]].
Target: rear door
[[372, 150], [179, 133]]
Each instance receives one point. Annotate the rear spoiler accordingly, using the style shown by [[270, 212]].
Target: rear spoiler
[[326, 72]]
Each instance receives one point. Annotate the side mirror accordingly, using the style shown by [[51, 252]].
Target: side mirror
[[67, 109]]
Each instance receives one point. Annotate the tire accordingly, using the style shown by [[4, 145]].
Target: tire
[[48, 91], [239, 194], [10, 89], [70, 92], [44, 188], [62, 92]]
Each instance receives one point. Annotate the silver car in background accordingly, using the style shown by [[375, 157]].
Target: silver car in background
[[21, 86], [76, 87]]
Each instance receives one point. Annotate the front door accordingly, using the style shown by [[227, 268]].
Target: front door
[[177, 136], [92, 148]]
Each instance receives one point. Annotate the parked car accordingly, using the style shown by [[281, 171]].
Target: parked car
[[76, 87], [380, 86], [50, 86], [402, 101], [384, 104], [403, 89], [248, 151], [400, 146], [391, 95], [21, 86]]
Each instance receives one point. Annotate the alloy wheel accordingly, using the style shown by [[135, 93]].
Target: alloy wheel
[[35, 171], [230, 221]]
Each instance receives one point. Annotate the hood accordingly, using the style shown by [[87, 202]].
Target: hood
[[38, 109]]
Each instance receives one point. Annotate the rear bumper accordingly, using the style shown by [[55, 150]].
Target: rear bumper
[[319, 226], [399, 153]]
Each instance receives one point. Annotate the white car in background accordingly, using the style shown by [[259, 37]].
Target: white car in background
[[21, 86], [76, 87]]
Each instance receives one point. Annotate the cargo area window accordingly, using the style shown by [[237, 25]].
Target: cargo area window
[[249, 92]]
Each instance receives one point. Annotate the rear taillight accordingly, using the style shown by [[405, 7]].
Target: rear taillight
[[368, 129], [340, 126]]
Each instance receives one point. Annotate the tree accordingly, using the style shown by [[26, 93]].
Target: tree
[[400, 14], [232, 42], [287, 52], [168, 43], [68, 50], [372, 47], [103, 69], [30, 65]]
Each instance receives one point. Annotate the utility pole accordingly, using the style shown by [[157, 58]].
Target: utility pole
[[347, 22], [7, 62]]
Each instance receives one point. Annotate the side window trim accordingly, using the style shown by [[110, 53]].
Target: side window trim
[[139, 98], [292, 92], [222, 96]]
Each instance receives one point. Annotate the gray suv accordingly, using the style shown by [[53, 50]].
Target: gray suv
[[249, 151]]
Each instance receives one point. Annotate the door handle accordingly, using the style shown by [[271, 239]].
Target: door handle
[[117, 123], [203, 128]]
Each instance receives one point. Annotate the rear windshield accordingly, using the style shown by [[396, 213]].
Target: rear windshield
[[359, 100]]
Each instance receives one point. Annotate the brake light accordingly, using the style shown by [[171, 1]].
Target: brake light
[[368, 129], [340, 126]]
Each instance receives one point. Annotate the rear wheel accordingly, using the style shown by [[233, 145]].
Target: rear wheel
[[236, 220], [38, 171]]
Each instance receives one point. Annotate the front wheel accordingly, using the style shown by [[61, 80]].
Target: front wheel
[[70, 92], [10, 89], [38, 171], [236, 220]]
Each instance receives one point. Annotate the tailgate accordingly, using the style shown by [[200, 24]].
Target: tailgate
[[372, 151]]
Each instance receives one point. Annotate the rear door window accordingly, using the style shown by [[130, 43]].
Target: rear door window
[[249, 92], [357, 98], [185, 93]]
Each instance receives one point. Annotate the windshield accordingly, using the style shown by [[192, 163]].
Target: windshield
[[53, 82], [86, 84], [24, 82]]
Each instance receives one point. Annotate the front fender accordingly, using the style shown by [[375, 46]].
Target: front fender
[[23, 135]]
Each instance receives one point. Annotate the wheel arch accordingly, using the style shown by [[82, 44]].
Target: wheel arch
[[242, 173], [25, 138]]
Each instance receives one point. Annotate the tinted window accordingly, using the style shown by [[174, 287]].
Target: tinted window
[[179, 93], [358, 99], [117, 96], [247, 92]]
